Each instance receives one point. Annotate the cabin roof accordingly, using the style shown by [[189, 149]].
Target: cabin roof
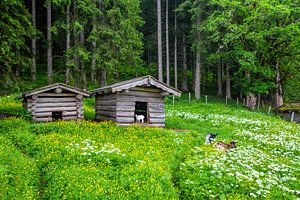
[[54, 86], [140, 81]]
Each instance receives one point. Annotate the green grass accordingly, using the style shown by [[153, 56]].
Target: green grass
[[89, 160]]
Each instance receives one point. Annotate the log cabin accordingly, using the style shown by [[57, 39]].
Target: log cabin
[[54, 102], [122, 101]]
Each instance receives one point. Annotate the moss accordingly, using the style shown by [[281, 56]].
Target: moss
[[290, 107]]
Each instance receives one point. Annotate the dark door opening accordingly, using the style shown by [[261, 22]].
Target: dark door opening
[[141, 108], [56, 116]]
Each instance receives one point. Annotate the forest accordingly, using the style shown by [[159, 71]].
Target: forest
[[235, 48], [152, 136]]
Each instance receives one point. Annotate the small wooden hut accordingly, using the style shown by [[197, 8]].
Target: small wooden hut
[[121, 102], [53, 102]]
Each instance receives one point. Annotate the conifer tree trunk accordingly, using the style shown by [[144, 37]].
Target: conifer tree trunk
[[228, 84], [103, 75], [175, 48], [82, 64], [159, 41], [94, 45], [49, 43], [167, 43], [197, 83], [33, 67], [76, 44], [184, 78], [68, 43], [219, 77], [278, 90]]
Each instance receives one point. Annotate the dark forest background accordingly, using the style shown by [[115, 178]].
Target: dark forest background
[[239, 49]]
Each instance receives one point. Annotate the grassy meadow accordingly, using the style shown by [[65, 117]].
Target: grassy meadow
[[90, 160]]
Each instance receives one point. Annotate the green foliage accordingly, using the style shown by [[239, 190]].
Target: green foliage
[[9, 105], [15, 28], [253, 36], [19, 175], [89, 160]]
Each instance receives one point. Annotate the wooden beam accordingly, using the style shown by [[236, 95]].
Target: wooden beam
[[125, 114], [56, 95], [65, 104], [146, 89], [56, 100], [157, 115], [106, 113], [55, 109], [125, 119], [44, 114], [104, 118], [46, 119], [157, 120]]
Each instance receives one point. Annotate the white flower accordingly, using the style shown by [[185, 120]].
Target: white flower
[[253, 195]]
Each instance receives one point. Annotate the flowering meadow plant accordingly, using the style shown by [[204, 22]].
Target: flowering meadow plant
[[265, 164], [89, 160]]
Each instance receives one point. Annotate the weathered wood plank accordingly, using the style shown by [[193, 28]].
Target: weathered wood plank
[[46, 119], [43, 114], [125, 119], [106, 97], [70, 117], [125, 114], [149, 99], [156, 104], [56, 95], [157, 115], [103, 118], [130, 85], [126, 98], [141, 94], [72, 113], [146, 89], [65, 104], [106, 113], [55, 109], [125, 103], [56, 100], [105, 102], [125, 108], [106, 108], [157, 120], [156, 109]]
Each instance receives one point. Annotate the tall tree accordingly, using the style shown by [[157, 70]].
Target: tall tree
[[228, 82], [175, 46], [68, 42], [33, 42], [159, 42], [16, 30], [219, 77], [184, 85], [94, 45], [49, 43], [167, 44]]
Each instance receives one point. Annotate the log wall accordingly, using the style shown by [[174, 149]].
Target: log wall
[[105, 107], [43, 105], [120, 107]]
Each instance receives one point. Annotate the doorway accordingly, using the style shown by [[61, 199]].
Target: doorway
[[141, 108], [56, 116]]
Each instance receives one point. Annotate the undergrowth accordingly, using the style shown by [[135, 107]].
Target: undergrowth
[[89, 160]]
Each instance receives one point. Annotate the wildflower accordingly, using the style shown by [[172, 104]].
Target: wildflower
[[252, 195]]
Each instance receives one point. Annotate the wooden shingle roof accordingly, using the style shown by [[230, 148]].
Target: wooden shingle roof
[[54, 86], [140, 81]]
